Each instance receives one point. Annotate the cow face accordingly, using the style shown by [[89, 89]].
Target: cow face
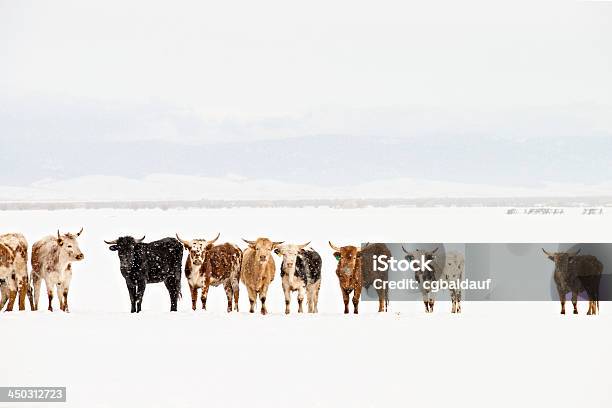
[[347, 258], [198, 248], [424, 256], [289, 254], [263, 247], [69, 246], [561, 259], [125, 247]]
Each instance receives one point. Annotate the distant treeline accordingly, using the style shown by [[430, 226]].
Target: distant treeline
[[604, 201]]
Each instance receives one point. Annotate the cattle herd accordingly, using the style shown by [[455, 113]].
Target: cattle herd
[[211, 264]]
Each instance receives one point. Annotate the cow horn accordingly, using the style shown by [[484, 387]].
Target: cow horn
[[110, 242], [305, 245], [248, 242], [58, 235], [181, 240], [575, 253], [79, 233], [277, 243], [138, 241], [214, 240], [405, 250], [335, 248], [546, 253]]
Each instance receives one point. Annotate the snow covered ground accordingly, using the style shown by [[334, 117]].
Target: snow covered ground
[[494, 354]]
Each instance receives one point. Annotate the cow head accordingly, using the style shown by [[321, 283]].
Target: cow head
[[69, 246], [561, 259], [289, 254], [125, 247], [422, 256], [197, 248], [347, 257], [262, 248]]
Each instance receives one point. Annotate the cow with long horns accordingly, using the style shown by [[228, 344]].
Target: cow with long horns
[[52, 259], [208, 264], [257, 271], [576, 273], [154, 262], [301, 273]]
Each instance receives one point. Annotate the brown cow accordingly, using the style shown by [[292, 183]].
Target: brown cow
[[209, 264], [349, 273], [14, 271], [257, 270]]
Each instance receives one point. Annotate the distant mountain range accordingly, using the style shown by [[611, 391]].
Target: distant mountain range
[[322, 161]]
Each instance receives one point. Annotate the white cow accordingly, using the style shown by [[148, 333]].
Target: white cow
[[453, 271], [301, 273], [52, 259]]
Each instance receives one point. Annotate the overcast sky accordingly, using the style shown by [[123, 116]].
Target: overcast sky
[[199, 72]]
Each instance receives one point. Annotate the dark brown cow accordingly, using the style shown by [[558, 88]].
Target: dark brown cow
[[575, 273]]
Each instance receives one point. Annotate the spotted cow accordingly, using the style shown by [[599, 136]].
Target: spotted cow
[[14, 271]]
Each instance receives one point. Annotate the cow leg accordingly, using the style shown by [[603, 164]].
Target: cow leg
[[426, 305], [316, 297], [36, 281], [173, 291], [356, 296], [345, 297], [60, 296], [205, 295], [301, 295], [228, 292], [310, 289], [575, 302], [140, 290], [50, 296], [252, 299], [65, 296], [262, 297], [11, 300], [23, 291], [381, 299], [194, 297], [431, 305], [236, 293], [4, 292], [132, 291], [287, 293]]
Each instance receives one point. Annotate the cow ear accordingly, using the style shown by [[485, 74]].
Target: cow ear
[[209, 246], [113, 247], [277, 251], [358, 254], [60, 242], [337, 256]]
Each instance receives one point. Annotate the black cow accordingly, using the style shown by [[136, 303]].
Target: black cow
[[153, 262]]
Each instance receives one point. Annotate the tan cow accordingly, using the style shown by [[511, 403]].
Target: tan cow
[[257, 270], [209, 264], [14, 271], [52, 259]]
